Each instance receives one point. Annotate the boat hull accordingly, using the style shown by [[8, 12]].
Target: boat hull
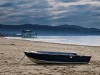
[[47, 58]]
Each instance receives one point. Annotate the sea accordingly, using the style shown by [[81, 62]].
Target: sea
[[77, 40]]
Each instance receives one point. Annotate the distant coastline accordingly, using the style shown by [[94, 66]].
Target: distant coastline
[[46, 30]]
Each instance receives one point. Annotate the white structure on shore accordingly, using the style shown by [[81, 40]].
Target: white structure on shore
[[28, 34]]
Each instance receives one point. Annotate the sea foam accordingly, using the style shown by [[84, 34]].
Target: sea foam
[[78, 40]]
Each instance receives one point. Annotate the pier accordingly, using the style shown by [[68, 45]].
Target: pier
[[28, 34]]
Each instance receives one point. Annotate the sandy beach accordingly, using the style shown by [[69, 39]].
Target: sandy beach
[[12, 51]]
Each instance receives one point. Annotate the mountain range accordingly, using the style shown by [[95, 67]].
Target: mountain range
[[47, 30]]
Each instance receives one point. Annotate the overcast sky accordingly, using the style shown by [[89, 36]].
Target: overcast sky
[[52, 12]]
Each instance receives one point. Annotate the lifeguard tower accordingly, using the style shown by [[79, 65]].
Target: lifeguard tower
[[28, 34]]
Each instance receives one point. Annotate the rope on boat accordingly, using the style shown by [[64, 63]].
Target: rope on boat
[[21, 59]]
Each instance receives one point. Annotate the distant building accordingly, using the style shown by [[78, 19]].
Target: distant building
[[17, 35], [28, 34]]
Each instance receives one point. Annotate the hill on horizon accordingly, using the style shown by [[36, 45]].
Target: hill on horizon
[[45, 30]]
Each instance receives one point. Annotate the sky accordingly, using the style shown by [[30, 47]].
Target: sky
[[84, 13]]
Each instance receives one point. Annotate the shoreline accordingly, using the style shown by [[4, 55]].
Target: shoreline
[[28, 39], [12, 51]]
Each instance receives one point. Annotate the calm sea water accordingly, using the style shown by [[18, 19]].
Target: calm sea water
[[79, 40]]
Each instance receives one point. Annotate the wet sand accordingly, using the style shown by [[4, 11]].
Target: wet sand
[[11, 53]]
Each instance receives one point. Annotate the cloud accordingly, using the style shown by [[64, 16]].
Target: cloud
[[67, 0], [53, 12], [8, 4]]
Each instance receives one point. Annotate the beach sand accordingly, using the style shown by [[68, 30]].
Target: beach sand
[[11, 54]]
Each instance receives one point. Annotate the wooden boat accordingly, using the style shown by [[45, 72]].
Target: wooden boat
[[56, 57]]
